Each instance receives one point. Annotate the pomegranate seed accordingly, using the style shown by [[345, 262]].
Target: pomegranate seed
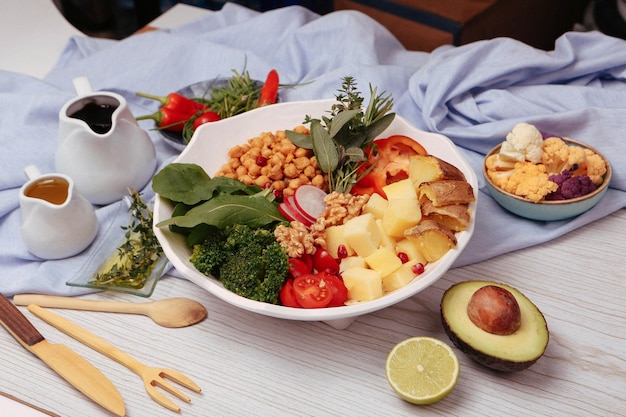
[[403, 257], [267, 185], [342, 252], [278, 194], [261, 161], [418, 269]]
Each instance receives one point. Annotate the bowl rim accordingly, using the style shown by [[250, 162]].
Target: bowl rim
[[598, 190]]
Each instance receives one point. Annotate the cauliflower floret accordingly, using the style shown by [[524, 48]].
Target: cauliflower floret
[[596, 168], [523, 143], [570, 186], [555, 154], [530, 181], [558, 156]]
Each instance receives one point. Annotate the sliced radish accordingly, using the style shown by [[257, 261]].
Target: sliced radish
[[292, 214], [290, 200], [309, 200]]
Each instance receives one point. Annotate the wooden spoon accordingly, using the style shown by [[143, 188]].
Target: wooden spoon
[[169, 312]]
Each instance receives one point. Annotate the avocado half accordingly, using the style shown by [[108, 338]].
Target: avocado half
[[510, 353]]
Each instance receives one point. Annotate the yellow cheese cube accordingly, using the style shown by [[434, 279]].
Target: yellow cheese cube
[[362, 234], [363, 284], [334, 238], [401, 189], [401, 215], [384, 260], [376, 205], [385, 240], [412, 251], [351, 262], [399, 278]]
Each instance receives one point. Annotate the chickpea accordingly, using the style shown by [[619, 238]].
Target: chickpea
[[262, 181], [318, 180], [246, 179], [301, 162], [295, 183], [309, 171], [254, 170], [241, 171], [301, 152], [279, 185], [290, 171]]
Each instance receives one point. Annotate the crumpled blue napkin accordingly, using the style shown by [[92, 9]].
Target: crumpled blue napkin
[[473, 94]]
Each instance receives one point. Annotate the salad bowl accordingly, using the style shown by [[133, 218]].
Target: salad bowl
[[209, 148]]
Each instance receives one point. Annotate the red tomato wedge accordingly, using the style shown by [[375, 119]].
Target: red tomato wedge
[[312, 291], [287, 296], [388, 162], [338, 289], [323, 261], [298, 267]]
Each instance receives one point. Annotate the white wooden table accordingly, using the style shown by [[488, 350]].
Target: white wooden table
[[251, 365]]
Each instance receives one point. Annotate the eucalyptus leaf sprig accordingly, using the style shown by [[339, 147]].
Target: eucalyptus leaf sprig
[[339, 141], [137, 255]]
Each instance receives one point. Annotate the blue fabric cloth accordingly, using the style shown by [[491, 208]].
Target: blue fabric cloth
[[473, 94]]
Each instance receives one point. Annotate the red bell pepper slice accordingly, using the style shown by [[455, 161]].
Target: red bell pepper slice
[[388, 162]]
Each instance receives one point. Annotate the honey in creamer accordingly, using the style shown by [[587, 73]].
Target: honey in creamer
[[52, 190]]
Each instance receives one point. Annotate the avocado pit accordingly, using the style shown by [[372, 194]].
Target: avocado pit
[[495, 310]]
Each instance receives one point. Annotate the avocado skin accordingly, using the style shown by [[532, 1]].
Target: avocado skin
[[497, 364], [489, 361]]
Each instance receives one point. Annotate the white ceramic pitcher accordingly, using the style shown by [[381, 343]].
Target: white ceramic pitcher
[[101, 146], [57, 222]]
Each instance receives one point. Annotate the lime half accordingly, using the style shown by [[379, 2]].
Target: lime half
[[422, 370]]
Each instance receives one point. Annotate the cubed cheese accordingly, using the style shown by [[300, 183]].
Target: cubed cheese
[[401, 189], [376, 205], [385, 240], [401, 215], [363, 284], [351, 262], [362, 234], [335, 238], [412, 251], [384, 260], [399, 278]]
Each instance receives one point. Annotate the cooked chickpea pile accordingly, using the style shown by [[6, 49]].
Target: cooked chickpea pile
[[273, 159]]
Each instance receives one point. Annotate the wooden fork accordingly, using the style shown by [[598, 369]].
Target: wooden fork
[[151, 376]]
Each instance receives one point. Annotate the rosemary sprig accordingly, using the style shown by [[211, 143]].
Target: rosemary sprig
[[136, 257], [339, 141]]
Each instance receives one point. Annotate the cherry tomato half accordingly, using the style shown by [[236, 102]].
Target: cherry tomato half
[[324, 261], [338, 289], [206, 117], [311, 291], [298, 267], [287, 296]]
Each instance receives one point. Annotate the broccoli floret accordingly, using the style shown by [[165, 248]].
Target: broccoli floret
[[570, 186], [209, 255], [249, 262]]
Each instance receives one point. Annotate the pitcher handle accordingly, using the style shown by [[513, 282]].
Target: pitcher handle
[[32, 172], [82, 86]]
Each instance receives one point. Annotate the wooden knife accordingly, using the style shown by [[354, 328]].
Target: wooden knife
[[68, 364]]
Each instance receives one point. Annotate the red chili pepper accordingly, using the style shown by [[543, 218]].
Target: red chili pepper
[[269, 92], [167, 119], [176, 102]]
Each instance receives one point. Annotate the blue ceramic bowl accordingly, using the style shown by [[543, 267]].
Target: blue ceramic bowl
[[548, 210]]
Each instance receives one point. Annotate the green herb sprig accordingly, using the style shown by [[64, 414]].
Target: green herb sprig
[[138, 253], [339, 141]]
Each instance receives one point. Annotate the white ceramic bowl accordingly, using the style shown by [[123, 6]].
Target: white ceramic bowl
[[548, 210], [209, 148]]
